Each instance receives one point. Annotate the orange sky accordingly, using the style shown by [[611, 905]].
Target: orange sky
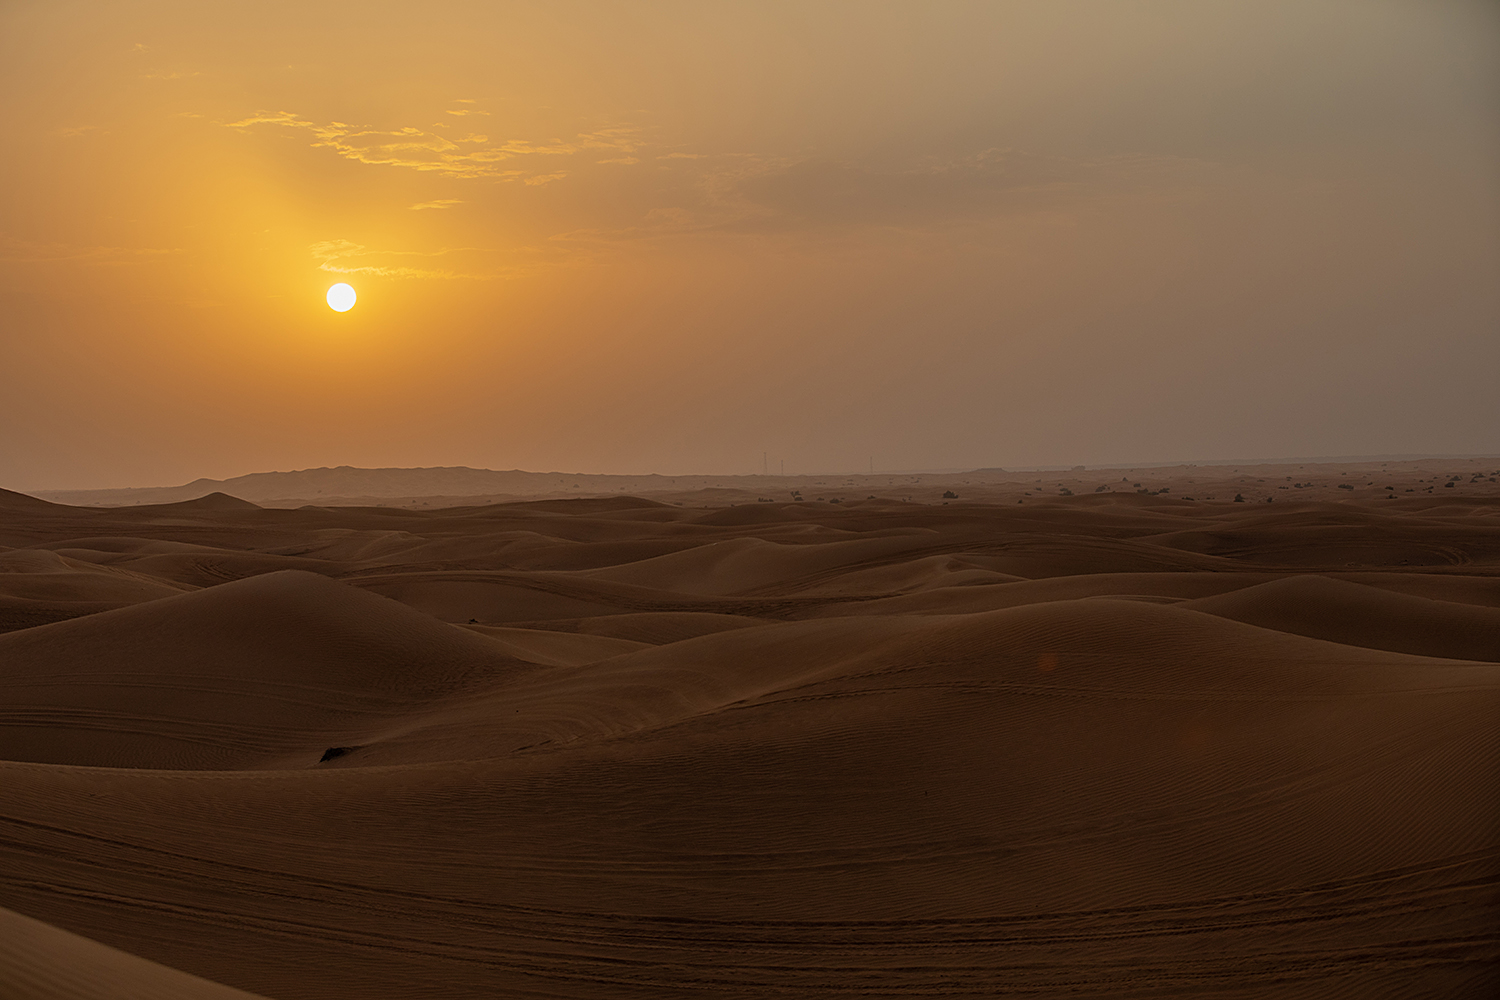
[[668, 237]]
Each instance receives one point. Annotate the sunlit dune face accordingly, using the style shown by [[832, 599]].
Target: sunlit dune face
[[341, 297]]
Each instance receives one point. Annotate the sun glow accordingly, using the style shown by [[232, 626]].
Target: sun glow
[[341, 297]]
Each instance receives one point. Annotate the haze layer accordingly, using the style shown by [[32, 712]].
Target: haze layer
[[675, 237]]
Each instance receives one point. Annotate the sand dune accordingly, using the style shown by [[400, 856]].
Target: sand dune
[[660, 627], [744, 565], [1093, 746], [40, 962], [1363, 616], [250, 673], [11, 501], [39, 575]]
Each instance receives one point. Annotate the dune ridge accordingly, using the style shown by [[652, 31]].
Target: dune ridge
[[1095, 745], [40, 962]]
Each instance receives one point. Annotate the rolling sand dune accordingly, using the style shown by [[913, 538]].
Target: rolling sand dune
[[1363, 616], [39, 961], [1109, 745]]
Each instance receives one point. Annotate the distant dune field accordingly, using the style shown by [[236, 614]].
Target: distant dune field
[[1094, 734], [459, 486]]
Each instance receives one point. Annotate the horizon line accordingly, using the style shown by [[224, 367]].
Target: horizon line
[[950, 471]]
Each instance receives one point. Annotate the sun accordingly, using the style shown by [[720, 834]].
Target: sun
[[341, 298]]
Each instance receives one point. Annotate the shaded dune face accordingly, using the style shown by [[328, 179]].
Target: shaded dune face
[[41, 962], [1365, 616], [264, 670], [614, 749]]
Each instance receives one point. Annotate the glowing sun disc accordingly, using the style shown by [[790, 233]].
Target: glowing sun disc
[[341, 298]]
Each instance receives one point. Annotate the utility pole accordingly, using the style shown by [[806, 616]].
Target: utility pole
[[763, 468]]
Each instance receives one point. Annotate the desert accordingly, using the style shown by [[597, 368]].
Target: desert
[[760, 500], [1112, 743]]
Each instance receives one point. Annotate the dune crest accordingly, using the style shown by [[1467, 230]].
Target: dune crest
[[40, 962]]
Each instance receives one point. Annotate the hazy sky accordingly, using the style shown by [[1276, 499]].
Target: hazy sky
[[668, 237]]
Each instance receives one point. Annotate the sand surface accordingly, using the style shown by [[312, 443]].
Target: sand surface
[[1117, 743]]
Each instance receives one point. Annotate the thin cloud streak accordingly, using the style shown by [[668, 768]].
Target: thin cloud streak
[[471, 157], [15, 251], [335, 256]]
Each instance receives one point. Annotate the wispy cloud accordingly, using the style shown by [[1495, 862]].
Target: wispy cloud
[[657, 223], [817, 192], [472, 156], [346, 257], [742, 193], [438, 203], [169, 75], [16, 251]]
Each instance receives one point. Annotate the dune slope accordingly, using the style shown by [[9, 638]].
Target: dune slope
[[263, 670], [40, 962]]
